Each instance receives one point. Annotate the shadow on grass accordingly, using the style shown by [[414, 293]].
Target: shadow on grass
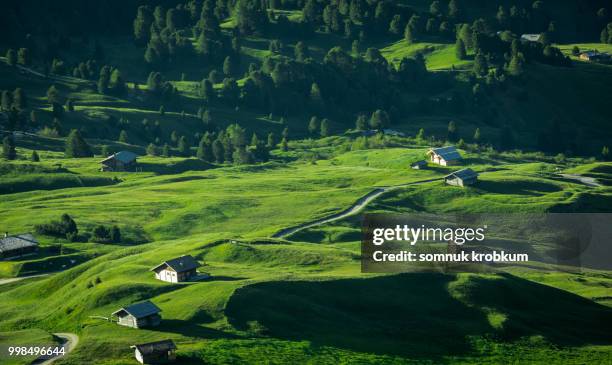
[[531, 308], [519, 187], [192, 327], [406, 315], [192, 164], [413, 315]]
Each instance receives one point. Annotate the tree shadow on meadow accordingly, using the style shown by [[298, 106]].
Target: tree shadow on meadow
[[408, 315], [414, 315], [518, 187]]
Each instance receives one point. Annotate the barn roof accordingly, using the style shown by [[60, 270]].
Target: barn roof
[[155, 347], [139, 310], [123, 156], [179, 264], [17, 242], [463, 174], [448, 153], [419, 163]]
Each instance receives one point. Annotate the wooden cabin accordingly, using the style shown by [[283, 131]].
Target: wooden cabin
[[463, 177], [159, 352], [419, 165], [17, 245], [444, 156], [139, 315], [177, 270], [120, 161]]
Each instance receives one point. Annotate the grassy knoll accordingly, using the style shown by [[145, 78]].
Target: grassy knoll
[[247, 311]]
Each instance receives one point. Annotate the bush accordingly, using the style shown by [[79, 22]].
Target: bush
[[101, 234], [66, 227]]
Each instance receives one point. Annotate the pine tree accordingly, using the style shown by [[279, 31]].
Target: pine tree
[[11, 57], [361, 124], [454, 11], [53, 95], [409, 34], [313, 125], [460, 52], [115, 236], [284, 145], [7, 100], [325, 127], [379, 119], [8, 148], [420, 135], [477, 136], [452, 134], [205, 151], [166, 150], [123, 136], [183, 147], [481, 68], [605, 153], [271, 141], [301, 51], [218, 151], [35, 157], [395, 27], [151, 150], [76, 146], [23, 57]]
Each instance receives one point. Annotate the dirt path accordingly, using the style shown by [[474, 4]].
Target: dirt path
[[353, 209], [71, 340], [589, 181], [11, 280]]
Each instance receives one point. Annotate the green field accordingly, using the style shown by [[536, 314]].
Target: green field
[[532, 123]]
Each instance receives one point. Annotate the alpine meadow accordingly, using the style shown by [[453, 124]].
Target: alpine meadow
[[187, 181]]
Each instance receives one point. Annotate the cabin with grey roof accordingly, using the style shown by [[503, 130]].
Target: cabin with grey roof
[[462, 177], [159, 352], [120, 161], [139, 315], [177, 270], [17, 245], [445, 156]]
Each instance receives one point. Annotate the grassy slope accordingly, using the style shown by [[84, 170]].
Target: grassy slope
[[211, 320]]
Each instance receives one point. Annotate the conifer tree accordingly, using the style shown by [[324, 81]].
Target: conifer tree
[[8, 148], [76, 146]]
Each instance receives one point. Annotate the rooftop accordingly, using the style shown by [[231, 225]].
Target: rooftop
[[179, 264], [139, 310], [123, 156], [155, 347], [463, 174], [16, 242], [449, 153]]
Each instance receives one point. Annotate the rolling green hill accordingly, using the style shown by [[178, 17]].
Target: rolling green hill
[[249, 118]]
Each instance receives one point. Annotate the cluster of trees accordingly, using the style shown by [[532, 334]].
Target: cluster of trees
[[111, 82], [231, 146], [15, 104], [20, 57], [76, 146], [66, 227], [103, 234]]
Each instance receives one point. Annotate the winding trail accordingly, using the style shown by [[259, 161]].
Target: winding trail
[[71, 340], [11, 280], [588, 181], [353, 209]]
